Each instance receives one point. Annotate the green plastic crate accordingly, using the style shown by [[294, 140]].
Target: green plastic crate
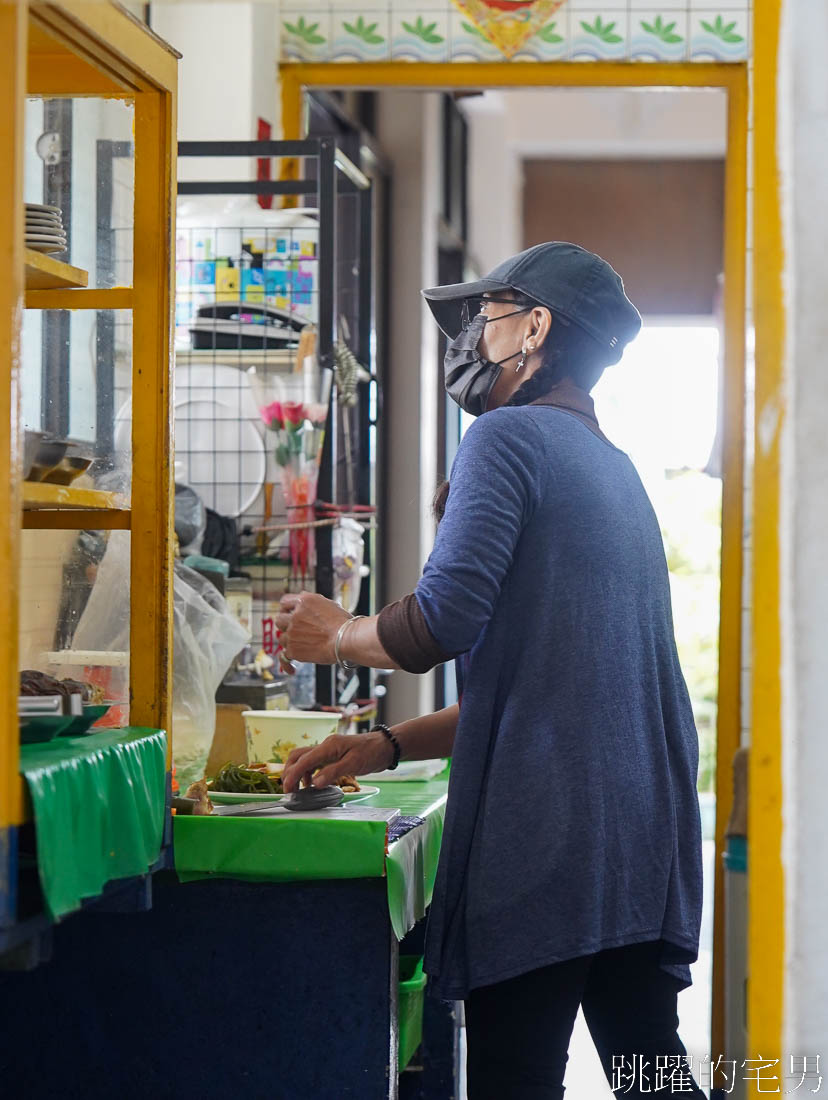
[[411, 997]]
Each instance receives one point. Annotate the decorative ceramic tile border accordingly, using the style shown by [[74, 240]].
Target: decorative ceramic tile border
[[719, 35], [658, 34], [577, 30]]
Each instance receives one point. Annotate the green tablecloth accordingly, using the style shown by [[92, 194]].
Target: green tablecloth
[[286, 849], [98, 808]]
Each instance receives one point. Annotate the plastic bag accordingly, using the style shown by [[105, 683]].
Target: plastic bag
[[348, 551], [206, 638], [101, 640], [104, 623]]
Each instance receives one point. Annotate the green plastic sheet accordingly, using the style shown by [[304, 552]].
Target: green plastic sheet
[[285, 849], [99, 805]]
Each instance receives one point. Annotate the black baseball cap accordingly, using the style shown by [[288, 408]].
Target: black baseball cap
[[576, 285]]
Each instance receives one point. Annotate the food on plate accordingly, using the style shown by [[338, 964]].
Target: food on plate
[[199, 792], [247, 779], [267, 767], [91, 693], [33, 682], [264, 777]]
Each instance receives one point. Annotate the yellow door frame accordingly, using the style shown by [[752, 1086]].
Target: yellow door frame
[[766, 881], [733, 79]]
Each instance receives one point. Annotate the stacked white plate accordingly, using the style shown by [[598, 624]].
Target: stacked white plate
[[44, 228]]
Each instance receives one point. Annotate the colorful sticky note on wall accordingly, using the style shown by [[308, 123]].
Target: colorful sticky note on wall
[[204, 274], [303, 286], [275, 281], [202, 246], [252, 285], [227, 284]]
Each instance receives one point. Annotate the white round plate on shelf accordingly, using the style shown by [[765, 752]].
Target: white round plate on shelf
[[46, 209], [44, 239], [36, 246], [218, 428]]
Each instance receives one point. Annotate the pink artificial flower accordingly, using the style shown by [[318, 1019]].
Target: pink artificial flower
[[293, 413], [317, 414], [273, 415]]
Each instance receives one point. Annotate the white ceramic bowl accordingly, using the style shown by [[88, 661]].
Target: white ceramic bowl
[[274, 734]]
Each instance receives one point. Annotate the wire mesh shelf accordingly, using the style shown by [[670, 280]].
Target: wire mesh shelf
[[250, 285]]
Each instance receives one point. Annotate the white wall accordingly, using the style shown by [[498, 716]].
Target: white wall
[[226, 77], [804, 522], [495, 181], [613, 122], [409, 132]]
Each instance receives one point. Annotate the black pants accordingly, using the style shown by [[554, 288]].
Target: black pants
[[518, 1031]]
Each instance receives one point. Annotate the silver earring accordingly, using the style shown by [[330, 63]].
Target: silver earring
[[521, 363]]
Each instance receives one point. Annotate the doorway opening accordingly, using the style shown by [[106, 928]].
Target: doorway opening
[[653, 179]]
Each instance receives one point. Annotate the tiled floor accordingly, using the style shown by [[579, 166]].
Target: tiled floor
[[584, 1076]]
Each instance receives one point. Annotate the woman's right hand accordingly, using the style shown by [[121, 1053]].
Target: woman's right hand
[[338, 755]]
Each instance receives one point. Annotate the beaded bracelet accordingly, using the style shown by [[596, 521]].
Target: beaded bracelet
[[382, 728]]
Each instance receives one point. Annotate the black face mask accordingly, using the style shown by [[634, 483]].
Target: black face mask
[[469, 378]]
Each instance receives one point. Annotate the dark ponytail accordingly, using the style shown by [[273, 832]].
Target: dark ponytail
[[438, 504]]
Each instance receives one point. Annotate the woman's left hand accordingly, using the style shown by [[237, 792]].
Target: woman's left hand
[[308, 623]]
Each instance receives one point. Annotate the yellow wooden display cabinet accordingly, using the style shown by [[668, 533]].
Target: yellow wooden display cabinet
[[71, 49]]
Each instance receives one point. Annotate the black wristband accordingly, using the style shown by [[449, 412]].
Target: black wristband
[[382, 728]]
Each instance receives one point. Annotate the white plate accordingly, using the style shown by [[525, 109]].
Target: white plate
[[41, 246], [44, 209], [218, 427], [224, 798], [44, 219], [44, 235]]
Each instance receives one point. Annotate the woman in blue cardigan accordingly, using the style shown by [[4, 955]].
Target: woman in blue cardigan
[[570, 872]]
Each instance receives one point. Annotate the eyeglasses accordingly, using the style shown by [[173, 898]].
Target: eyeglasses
[[472, 307]]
